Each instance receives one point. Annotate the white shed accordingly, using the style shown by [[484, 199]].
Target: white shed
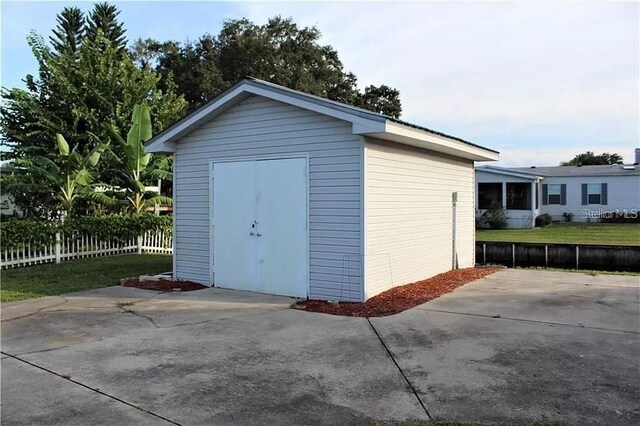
[[282, 192]]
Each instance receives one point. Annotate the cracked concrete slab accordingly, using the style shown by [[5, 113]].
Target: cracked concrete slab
[[478, 368], [227, 357], [604, 301], [223, 357], [32, 396]]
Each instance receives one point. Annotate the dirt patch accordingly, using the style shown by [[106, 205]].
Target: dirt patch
[[161, 285], [401, 298]]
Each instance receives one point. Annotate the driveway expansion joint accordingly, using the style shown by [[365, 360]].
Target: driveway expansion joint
[[500, 317], [404, 376], [7, 355]]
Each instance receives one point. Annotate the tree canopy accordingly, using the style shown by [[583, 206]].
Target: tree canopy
[[84, 82], [88, 83], [590, 159], [279, 51]]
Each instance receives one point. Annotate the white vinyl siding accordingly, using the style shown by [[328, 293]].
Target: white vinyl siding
[[623, 193], [260, 127], [408, 214]]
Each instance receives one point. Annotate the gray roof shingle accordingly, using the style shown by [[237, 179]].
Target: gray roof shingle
[[568, 171]]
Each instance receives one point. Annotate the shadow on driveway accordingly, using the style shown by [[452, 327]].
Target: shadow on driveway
[[516, 346]]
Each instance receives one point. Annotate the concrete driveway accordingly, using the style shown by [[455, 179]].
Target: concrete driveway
[[515, 346]]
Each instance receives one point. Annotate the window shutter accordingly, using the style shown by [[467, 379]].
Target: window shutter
[[603, 195], [545, 194], [563, 194], [584, 194]]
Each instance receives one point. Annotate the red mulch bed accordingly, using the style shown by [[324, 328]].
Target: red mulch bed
[[401, 298], [161, 285]]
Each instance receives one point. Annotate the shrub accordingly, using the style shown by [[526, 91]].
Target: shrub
[[543, 220], [495, 218], [15, 231], [115, 227], [568, 217], [632, 216]]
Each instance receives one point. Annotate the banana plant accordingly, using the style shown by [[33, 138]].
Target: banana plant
[[140, 166], [71, 177]]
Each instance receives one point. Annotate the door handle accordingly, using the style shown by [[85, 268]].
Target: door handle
[[259, 234], [251, 233]]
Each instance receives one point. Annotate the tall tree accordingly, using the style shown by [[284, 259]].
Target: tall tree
[[380, 99], [74, 96], [67, 36], [193, 66], [590, 159], [279, 51], [77, 94], [104, 17]]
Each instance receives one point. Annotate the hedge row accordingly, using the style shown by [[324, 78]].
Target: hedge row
[[115, 227]]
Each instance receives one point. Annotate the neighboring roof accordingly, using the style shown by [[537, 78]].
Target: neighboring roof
[[508, 172], [568, 171], [364, 122]]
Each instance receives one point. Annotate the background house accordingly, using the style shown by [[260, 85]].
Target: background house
[[281, 192], [7, 205], [585, 192], [515, 191]]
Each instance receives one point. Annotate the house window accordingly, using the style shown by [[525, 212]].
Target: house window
[[518, 196], [553, 194], [594, 193], [489, 195]]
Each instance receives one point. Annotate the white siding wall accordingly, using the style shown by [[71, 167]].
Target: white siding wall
[[261, 127], [623, 192], [408, 214]]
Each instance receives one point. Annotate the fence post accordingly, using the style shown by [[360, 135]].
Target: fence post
[[513, 255], [546, 256], [139, 242], [577, 257], [484, 254], [57, 247]]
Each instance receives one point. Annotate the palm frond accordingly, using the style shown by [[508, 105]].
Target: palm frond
[[159, 199], [99, 197], [114, 133], [161, 174]]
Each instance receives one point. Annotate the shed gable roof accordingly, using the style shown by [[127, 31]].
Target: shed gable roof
[[364, 122]]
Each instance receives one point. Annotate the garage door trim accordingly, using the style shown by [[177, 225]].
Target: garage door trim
[[212, 164]]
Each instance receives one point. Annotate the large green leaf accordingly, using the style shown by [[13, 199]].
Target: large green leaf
[[94, 156], [99, 197], [139, 133], [159, 199], [63, 146], [83, 177], [114, 132], [161, 174], [140, 125]]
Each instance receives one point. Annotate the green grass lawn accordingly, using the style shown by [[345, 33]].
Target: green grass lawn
[[75, 275], [454, 423], [584, 233]]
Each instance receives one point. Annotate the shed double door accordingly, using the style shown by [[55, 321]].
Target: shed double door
[[260, 226]]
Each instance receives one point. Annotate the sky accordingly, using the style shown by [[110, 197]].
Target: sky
[[538, 81]]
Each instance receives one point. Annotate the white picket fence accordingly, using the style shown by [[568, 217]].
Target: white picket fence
[[76, 246]]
